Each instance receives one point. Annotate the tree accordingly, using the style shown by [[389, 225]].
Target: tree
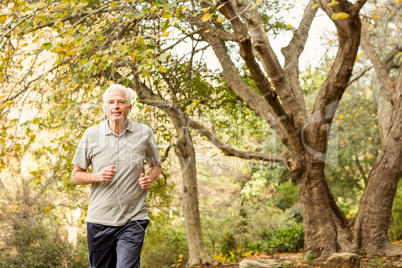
[[280, 102], [92, 43], [373, 219]]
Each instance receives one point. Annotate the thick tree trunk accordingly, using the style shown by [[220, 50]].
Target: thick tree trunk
[[198, 254], [376, 204], [325, 227]]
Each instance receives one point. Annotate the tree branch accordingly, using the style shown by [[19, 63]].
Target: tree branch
[[292, 54], [379, 66], [146, 96], [358, 5], [338, 77], [251, 98], [262, 83], [167, 152], [230, 151], [208, 27], [359, 76], [81, 16], [293, 107]]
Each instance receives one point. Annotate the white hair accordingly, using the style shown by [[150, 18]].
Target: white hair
[[128, 93]]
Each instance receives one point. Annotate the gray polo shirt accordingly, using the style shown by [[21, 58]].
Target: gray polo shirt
[[121, 200]]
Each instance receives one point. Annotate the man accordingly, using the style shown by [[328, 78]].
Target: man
[[117, 212]]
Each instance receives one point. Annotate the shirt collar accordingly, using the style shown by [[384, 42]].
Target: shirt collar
[[129, 127]]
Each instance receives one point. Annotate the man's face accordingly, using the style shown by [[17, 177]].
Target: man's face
[[116, 106]]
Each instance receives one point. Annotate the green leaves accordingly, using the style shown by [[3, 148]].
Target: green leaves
[[163, 57], [47, 46]]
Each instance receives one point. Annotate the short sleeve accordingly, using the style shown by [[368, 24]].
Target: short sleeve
[[152, 153], [82, 155]]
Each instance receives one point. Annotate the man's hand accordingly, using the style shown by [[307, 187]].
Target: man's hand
[[106, 174], [145, 181]]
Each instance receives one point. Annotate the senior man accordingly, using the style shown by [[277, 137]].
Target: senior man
[[116, 151]]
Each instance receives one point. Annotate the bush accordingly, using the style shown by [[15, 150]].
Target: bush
[[289, 238], [40, 246], [165, 244]]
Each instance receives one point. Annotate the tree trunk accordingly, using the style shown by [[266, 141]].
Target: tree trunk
[[184, 149], [198, 254], [376, 204], [325, 226]]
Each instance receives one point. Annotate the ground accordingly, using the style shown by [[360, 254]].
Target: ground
[[291, 260]]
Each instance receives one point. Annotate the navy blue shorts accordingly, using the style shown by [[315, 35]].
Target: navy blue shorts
[[111, 247]]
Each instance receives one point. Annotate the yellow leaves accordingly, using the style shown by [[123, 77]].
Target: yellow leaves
[[369, 138], [206, 17], [3, 19], [184, 9], [59, 23], [220, 19], [315, 6], [179, 260], [256, 4], [340, 116], [205, 9], [113, 5], [289, 25], [167, 14], [162, 69], [340, 15], [193, 104], [220, 6], [333, 3]]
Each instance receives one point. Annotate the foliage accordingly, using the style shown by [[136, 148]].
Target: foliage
[[41, 245], [165, 243], [395, 230], [287, 238], [251, 227]]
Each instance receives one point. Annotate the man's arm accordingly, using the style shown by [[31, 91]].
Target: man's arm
[[80, 176], [154, 170]]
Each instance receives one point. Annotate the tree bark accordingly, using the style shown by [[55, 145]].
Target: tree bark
[[184, 149], [372, 221], [325, 227]]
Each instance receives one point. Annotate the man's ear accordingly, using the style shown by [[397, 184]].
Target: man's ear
[[130, 107]]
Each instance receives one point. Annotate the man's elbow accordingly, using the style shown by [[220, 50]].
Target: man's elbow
[[74, 179], [75, 175]]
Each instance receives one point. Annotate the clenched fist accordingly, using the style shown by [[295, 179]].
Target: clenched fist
[[106, 174], [145, 181]]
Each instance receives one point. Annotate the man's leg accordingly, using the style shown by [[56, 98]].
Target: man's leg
[[129, 244], [101, 245]]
